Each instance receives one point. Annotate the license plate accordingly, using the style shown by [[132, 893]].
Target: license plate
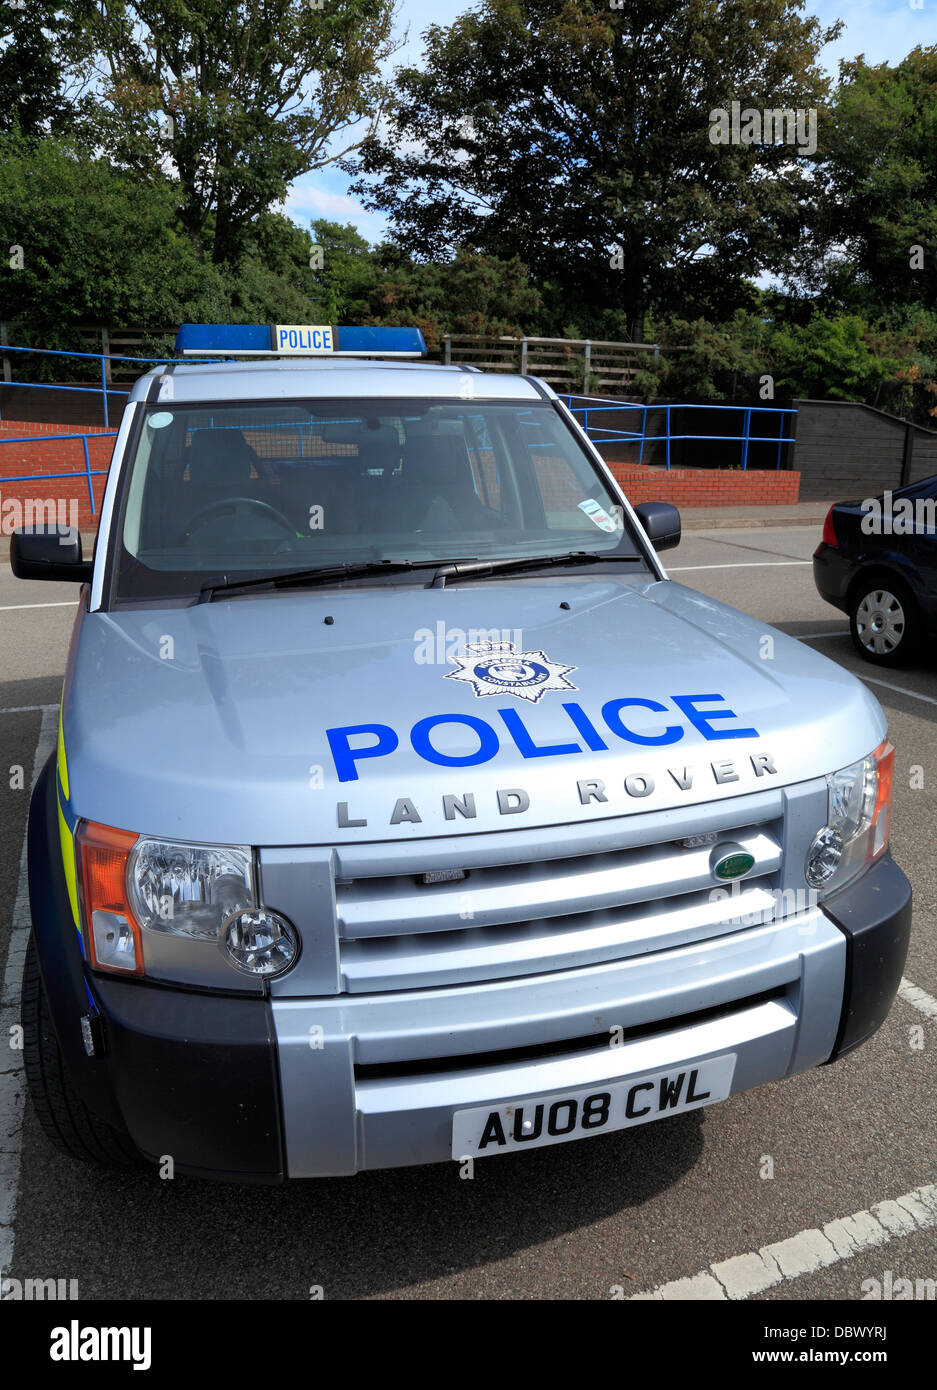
[[556, 1118]]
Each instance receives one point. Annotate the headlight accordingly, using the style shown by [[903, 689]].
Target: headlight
[[856, 832], [188, 889], [180, 912]]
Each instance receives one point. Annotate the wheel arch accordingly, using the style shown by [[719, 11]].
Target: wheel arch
[[879, 572]]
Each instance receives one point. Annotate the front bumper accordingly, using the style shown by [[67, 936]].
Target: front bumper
[[253, 1089], [393, 1069]]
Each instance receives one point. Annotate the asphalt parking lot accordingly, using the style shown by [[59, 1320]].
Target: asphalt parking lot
[[635, 1211]]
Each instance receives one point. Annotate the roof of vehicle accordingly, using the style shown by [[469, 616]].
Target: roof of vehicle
[[289, 378]]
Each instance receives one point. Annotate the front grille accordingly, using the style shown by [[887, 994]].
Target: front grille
[[527, 915]]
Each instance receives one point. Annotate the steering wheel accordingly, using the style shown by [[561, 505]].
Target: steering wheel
[[239, 506]]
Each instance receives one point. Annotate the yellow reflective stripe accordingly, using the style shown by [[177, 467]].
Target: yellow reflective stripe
[[60, 758], [68, 862]]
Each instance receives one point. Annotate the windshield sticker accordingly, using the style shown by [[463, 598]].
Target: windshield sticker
[[160, 420], [497, 669], [597, 513]]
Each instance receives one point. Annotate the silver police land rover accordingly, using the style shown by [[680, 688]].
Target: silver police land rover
[[403, 809]]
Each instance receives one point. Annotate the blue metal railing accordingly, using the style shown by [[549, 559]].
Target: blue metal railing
[[604, 434], [87, 472], [103, 358], [105, 389]]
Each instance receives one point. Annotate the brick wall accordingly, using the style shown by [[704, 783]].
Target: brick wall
[[70, 495], [707, 487]]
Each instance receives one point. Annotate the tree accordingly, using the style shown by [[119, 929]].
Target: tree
[[273, 281], [576, 135], [241, 97], [30, 67], [878, 194]]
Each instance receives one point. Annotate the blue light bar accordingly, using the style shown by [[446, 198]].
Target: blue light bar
[[223, 337], [383, 340], [297, 340]]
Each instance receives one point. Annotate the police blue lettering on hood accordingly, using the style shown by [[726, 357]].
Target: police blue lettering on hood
[[709, 714]]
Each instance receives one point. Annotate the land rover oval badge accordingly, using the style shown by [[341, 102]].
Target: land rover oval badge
[[731, 861]]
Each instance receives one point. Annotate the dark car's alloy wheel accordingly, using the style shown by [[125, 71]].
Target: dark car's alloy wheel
[[883, 622]]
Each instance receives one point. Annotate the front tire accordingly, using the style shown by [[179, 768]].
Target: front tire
[[66, 1120], [884, 622]]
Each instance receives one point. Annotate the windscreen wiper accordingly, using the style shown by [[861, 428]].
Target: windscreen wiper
[[310, 578], [467, 570]]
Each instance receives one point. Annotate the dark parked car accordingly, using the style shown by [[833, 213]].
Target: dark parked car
[[877, 561]]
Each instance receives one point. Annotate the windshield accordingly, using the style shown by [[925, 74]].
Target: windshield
[[216, 493]]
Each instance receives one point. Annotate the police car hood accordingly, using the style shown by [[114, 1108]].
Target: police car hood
[[313, 717]]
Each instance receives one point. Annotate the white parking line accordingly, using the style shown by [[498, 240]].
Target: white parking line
[[12, 607], [27, 709], [738, 565], [872, 680], [12, 1079], [900, 689], [919, 998], [748, 1274]]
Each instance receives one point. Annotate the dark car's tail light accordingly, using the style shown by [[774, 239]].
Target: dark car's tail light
[[829, 530]]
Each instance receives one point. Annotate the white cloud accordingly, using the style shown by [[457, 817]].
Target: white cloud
[[308, 199]]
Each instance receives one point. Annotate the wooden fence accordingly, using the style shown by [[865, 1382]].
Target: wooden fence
[[845, 449], [568, 364]]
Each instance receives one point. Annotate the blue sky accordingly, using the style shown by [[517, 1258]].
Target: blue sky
[[884, 30]]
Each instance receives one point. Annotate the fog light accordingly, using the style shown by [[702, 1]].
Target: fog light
[[823, 856], [260, 942], [115, 946]]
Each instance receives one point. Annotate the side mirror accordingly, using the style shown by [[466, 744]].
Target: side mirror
[[49, 552], [661, 521]]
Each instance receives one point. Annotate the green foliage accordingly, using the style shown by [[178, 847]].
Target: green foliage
[[879, 157], [890, 362], [273, 281], [831, 358], [98, 246], [345, 285], [469, 294], [704, 361], [541, 135]]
